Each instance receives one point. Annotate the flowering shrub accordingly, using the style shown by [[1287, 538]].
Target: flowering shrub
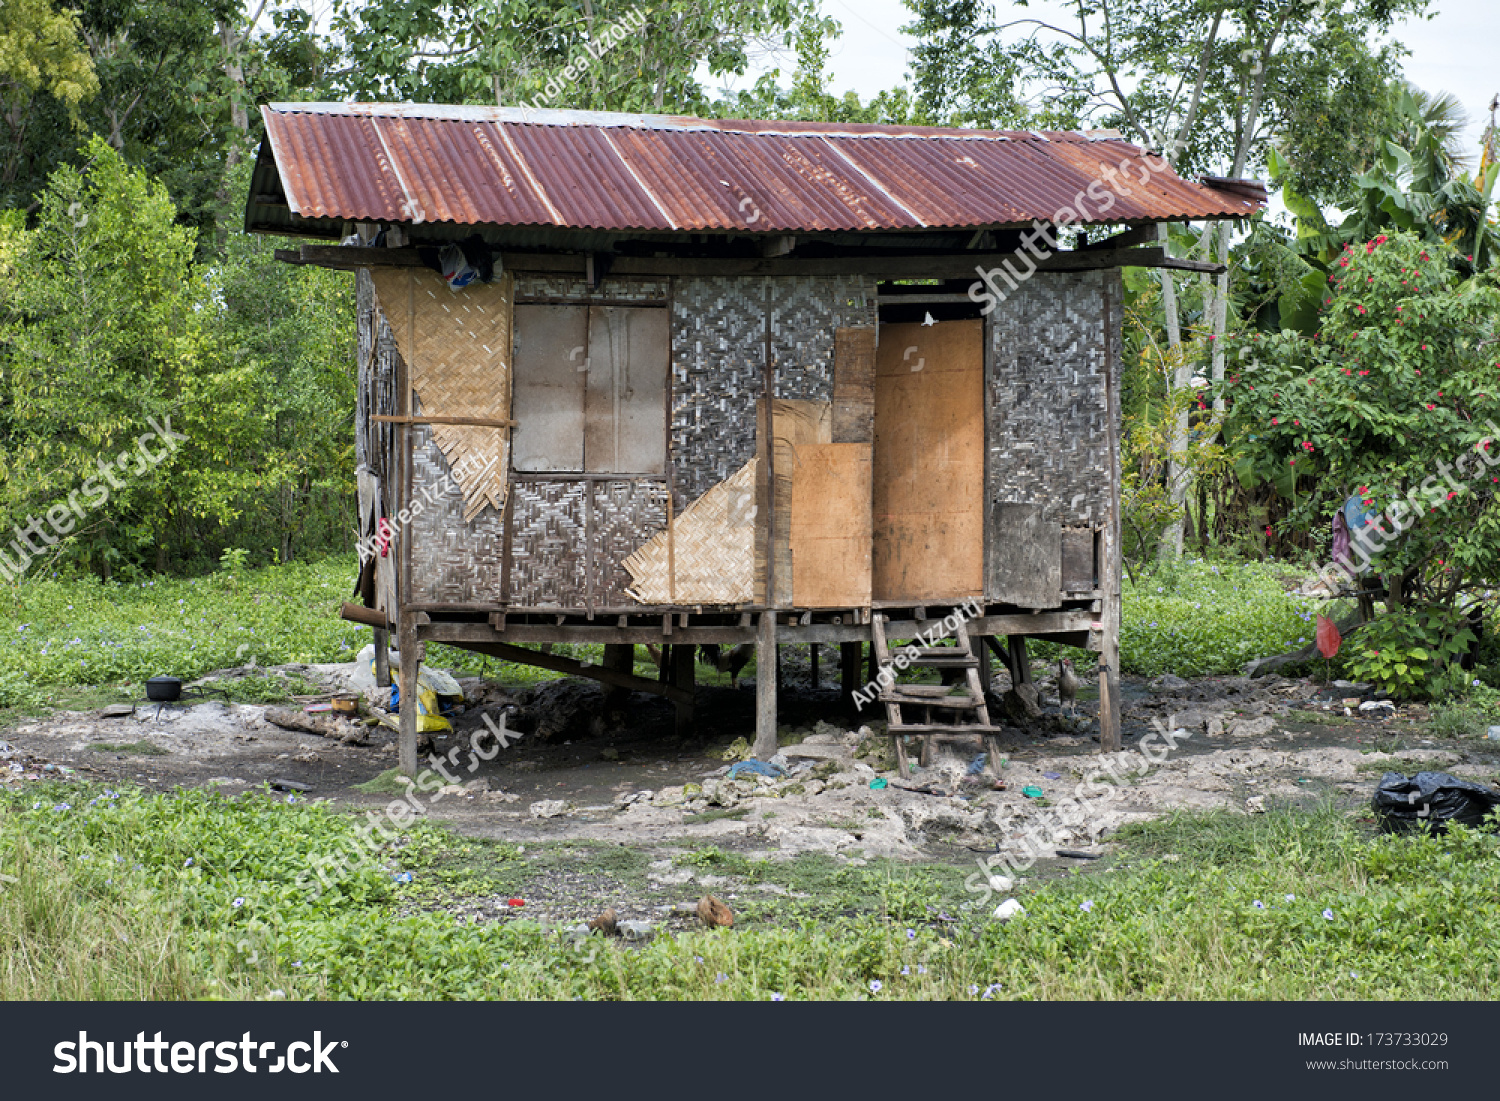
[[1396, 398]]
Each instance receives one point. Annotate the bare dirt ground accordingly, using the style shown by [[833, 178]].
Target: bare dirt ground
[[592, 772]]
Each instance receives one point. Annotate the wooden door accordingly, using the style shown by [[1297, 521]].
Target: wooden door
[[929, 462]]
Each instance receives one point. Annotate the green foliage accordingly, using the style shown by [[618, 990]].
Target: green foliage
[[1408, 653], [1404, 359], [1197, 617]]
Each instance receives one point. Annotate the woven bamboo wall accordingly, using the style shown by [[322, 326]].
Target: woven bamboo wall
[[530, 285], [1045, 399], [718, 361], [454, 560]]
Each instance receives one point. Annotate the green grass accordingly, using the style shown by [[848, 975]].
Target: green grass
[[134, 896], [141, 748]]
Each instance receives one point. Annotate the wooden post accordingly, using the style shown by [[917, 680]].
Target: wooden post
[[406, 641], [621, 658], [851, 661], [765, 687], [1109, 655], [982, 652], [1020, 664], [382, 658], [682, 677], [812, 661]]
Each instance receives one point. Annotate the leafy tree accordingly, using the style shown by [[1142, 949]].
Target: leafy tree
[[1395, 399], [40, 53]]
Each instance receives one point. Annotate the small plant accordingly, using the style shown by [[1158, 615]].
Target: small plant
[[141, 748], [1408, 654]]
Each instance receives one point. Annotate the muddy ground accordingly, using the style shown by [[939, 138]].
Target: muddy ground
[[589, 773]]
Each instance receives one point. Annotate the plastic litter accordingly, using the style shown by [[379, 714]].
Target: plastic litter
[[759, 768], [1052, 775], [1493, 734], [1403, 803], [1031, 791], [976, 766], [878, 784], [1008, 909]]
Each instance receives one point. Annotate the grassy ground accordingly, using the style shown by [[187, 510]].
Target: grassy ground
[[1200, 617], [124, 895]]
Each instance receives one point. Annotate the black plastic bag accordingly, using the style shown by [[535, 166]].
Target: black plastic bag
[[1403, 803]]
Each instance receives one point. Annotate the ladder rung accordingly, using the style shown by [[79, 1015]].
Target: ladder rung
[[938, 728], [960, 703]]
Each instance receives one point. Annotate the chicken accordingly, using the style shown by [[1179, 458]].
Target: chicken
[[714, 913], [731, 662], [1067, 686]]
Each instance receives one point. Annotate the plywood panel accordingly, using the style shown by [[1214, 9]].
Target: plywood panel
[[1025, 556], [551, 368], [854, 385], [830, 525], [796, 423], [928, 524], [1077, 559], [625, 411]]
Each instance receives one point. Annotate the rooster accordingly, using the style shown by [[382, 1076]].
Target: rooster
[[731, 662], [1067, 686]]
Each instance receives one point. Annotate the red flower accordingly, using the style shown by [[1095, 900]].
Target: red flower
[[1432, 407], [1274, 421], [1364, 372], [1424, 347], [1361, 309]]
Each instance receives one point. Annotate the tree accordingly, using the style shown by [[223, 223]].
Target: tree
[[40, 53], [1395, 401], [619, 55]]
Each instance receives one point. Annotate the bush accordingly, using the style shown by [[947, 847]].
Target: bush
[[1412, 653]]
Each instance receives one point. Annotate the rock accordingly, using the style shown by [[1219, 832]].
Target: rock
[[1214, 727], [499, 796], [477, 786], [714, 913], [668, 797], [548, 808], [636, 930], [1022, 704], [1001, 884], [456, 789], [1009, 909], [817, 751], [1252, 728], [117, 711], [1169, 683], [780, 761], [1256, 804]]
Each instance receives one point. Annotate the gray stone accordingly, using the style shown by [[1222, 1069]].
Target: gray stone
[[636, 930], [1252, 728], [549, 808], [1022, 704], [1169, 683]]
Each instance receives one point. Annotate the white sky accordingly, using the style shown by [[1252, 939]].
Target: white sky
[[1453, 52]]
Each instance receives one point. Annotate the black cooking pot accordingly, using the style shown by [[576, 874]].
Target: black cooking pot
[[164, 689]]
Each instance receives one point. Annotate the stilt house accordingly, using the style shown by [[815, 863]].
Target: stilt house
[[732, 382]]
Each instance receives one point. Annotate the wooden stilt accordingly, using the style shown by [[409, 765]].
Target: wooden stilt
[[812, 661], [851, 659], [982, 652], [682, 678], [1020, 664], [382, 658], [619, 657], [406, 641], [765, 688], [1110, 549]]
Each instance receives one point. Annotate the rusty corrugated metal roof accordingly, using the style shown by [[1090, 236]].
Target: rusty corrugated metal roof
[[510, 166]]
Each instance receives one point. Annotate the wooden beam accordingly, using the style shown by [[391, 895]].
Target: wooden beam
[[406, 638], [559, 664], [1139, 235], [439, 418], [941, 266], [1110, 551], [370, 617], [461, 634]]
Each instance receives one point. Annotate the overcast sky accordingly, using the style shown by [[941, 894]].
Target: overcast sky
[[1454, 52]]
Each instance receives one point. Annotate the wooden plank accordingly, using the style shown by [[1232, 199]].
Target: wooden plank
[[854, 385], [625, 411], [830, 525], [551, 363], [1077, 559], [1024, 554], [928, 525], [559, 664], [795, 424]]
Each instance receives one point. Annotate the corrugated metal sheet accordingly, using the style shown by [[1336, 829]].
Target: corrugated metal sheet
[[421, 163]]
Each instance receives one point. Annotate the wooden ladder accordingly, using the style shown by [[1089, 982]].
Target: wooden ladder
[[934, 697]]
